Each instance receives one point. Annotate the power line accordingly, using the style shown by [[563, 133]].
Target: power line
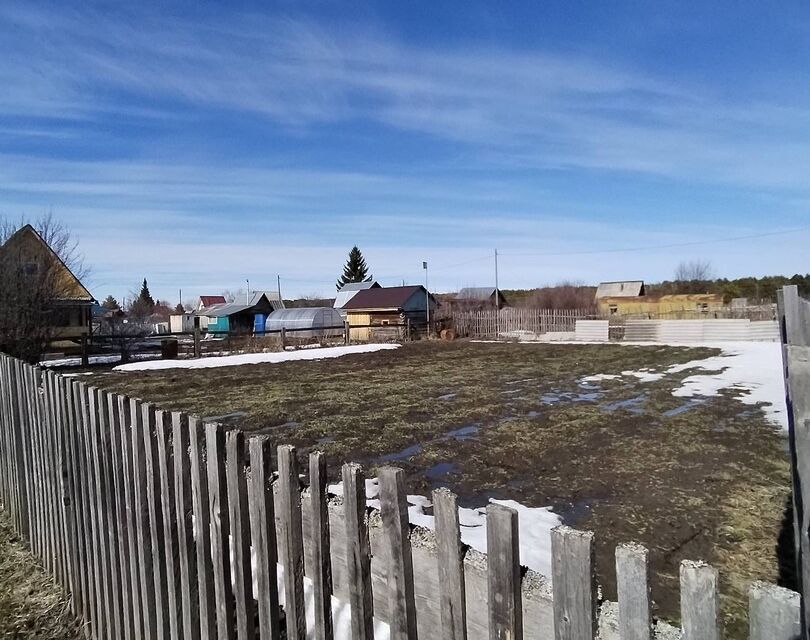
[[673, 245]]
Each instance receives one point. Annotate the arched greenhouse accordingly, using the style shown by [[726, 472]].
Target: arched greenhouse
[[306, 322]]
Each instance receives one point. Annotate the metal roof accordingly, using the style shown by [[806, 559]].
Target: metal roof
[[208, 301], [383, 298], [231, 308], [476, 293], [621, 289], [350, 289]]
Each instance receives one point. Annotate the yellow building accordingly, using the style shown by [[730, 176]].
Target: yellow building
[[688, 305], [70, 302]]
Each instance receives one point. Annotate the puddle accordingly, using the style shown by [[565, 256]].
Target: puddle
[[686, 406], [550, 399], [407, 452], [467, 432], [447, 396], [572, 513], [226, 417], [633, 405], [439, 471]]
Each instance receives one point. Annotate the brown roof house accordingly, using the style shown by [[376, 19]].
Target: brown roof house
[[55, 301], [380, 313]]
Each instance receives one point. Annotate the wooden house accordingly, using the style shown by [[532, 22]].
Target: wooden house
[[377, 313], [240, 318], [70, 315]]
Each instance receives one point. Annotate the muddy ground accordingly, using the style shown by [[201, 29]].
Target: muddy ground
[[705, 479]]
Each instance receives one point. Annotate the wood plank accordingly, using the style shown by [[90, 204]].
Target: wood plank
[[263, 534], [186, 551], [202, 528], [87, 548], [155, 513], [396, 536], [220, 545], [103, 612], [699, 602], [165, 463], [70, 492], [358, 552], [573, 584], [109, 511], [321, 555], [240, 534], [452, 595], [794, 316], [78, 582], [292, 543], [126, 431], [503, 568], [149, 621], [62, 497], [633, 589], [774, 613]]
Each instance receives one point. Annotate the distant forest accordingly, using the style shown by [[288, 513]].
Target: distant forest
[[575, 296]]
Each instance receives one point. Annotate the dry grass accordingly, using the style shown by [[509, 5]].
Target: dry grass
[[32, 605]]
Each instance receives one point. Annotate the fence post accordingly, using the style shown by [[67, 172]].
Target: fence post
[[699, 602], [633, 589], [185, 528], [396, 533], [774, 613], [452, 595], [292, 543], [573, 584], [263, 534], [503, 569], [85, 351], [358, 552], [321, 557], [240, 534], [220, 545], [346, 332], [794, 323], [197, 343], [283, 338], [202, 528]]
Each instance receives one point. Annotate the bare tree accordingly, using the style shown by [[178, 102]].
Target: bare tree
[[694, 271], [32, 284]]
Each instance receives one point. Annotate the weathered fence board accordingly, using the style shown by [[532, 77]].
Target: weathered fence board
[[320, 543], [202, 528], [292, 544]]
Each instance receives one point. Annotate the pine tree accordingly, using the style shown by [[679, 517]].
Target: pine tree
[[355, 269], [179, 308], [110, 303], [145, 298]]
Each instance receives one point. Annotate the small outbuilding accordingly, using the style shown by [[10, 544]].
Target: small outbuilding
[[240, 318], [380, 313]]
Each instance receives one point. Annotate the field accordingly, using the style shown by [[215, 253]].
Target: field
[[700, 478]]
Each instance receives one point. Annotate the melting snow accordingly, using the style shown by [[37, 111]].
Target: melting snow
[[254, 358]]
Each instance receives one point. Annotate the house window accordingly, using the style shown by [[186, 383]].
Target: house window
[[385, 322], [703, 307], [613, 309]]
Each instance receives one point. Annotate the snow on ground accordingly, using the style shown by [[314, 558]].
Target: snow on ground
[[254, 358], [77, 362], [755, 368], [534, 523]]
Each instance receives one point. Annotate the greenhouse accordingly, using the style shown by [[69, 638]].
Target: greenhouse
[[306, 322]]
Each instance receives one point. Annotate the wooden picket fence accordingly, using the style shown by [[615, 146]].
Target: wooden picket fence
[[489, 323], [159, 526]]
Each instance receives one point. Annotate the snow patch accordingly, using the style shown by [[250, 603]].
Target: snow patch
[[255, 358], [534, 523]]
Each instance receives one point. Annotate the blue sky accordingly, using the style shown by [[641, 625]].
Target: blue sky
[[200, 145]]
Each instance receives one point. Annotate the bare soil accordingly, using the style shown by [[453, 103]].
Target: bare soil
[[705, 479]]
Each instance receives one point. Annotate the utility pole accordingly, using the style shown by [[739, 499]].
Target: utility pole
[[181, 297], [247, 295], [278, 282], [497, 301], [427, 297]]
